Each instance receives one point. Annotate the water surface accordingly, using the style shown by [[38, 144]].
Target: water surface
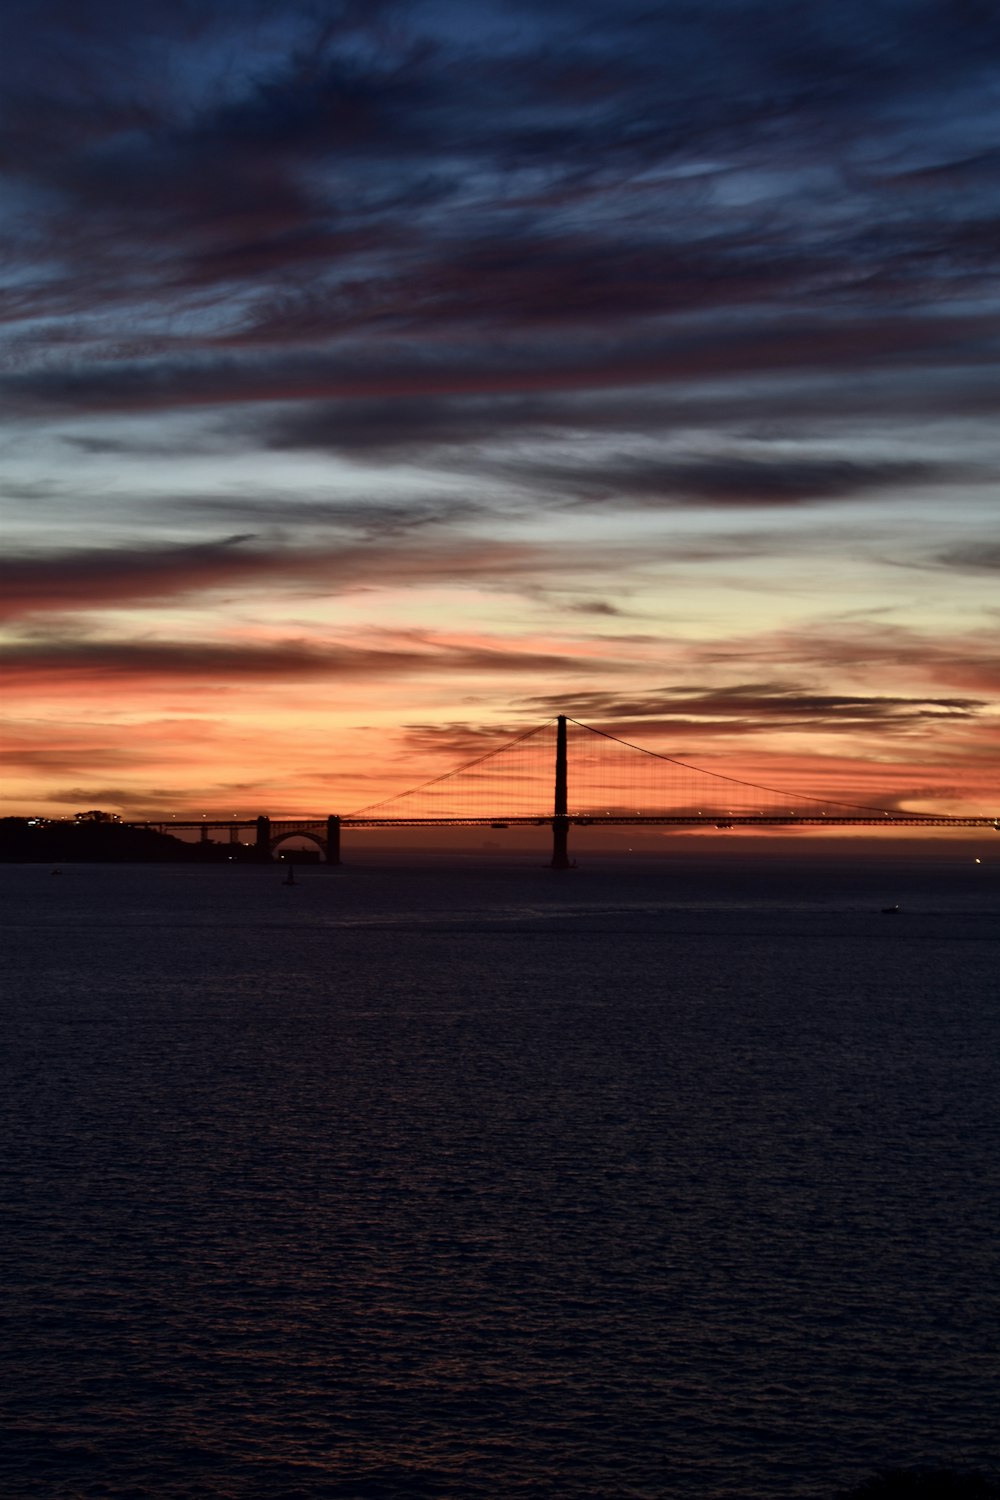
[[486, 1181]]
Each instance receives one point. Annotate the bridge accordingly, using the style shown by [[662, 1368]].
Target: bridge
[[533, 780]]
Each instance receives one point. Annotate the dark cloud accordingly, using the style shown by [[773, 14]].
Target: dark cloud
[[480, 430], [730, 480], [96, 578], [287, 514], [983, 557], [148, 802], [154, 662], [967, 661], [111, 797], [531, 286], [457, 740], [408, 426], [861, 344], [588, 176], [765, 706], [59, 760], [596, 607]]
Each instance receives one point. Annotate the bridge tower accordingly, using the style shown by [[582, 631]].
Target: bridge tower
[[263, 841], [560, 809], [333, 839]]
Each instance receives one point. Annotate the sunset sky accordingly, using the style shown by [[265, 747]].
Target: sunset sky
[[379, 379]]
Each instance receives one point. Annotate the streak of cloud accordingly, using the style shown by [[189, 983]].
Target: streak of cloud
[[74, 661]]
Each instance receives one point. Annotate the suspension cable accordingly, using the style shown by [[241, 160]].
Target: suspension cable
[[736, 781], [468, 765]]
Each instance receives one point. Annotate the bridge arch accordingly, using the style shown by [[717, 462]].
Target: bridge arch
[[326, 836], [295, 833]]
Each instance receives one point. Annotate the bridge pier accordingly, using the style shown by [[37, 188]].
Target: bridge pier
[[560, 841], [262, 844], [333, 840]]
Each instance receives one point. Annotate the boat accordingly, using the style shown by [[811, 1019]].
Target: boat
[[890, 911]]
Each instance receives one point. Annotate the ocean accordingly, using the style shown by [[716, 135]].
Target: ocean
[[467, 1178]]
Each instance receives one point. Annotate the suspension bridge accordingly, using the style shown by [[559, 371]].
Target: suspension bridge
[[561, 773]]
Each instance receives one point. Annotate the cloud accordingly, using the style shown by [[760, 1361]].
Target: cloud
[[457, 740], [89, 578], [731, 480], [54, 759], [748, 708], [715, 266], [982, 557], [288, 513], [324, 175], [531, 285], [405, 368], [394, 430], [596, 607], [480, 430], [99, 578], [79, 662], [967, 662]]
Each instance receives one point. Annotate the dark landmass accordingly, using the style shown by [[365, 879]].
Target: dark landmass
[[87, 840], [98, 837]]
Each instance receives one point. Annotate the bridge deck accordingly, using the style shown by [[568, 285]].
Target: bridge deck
[[611, 784], [596, 820]]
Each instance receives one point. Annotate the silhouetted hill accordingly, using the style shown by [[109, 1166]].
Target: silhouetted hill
[[29, 841]]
